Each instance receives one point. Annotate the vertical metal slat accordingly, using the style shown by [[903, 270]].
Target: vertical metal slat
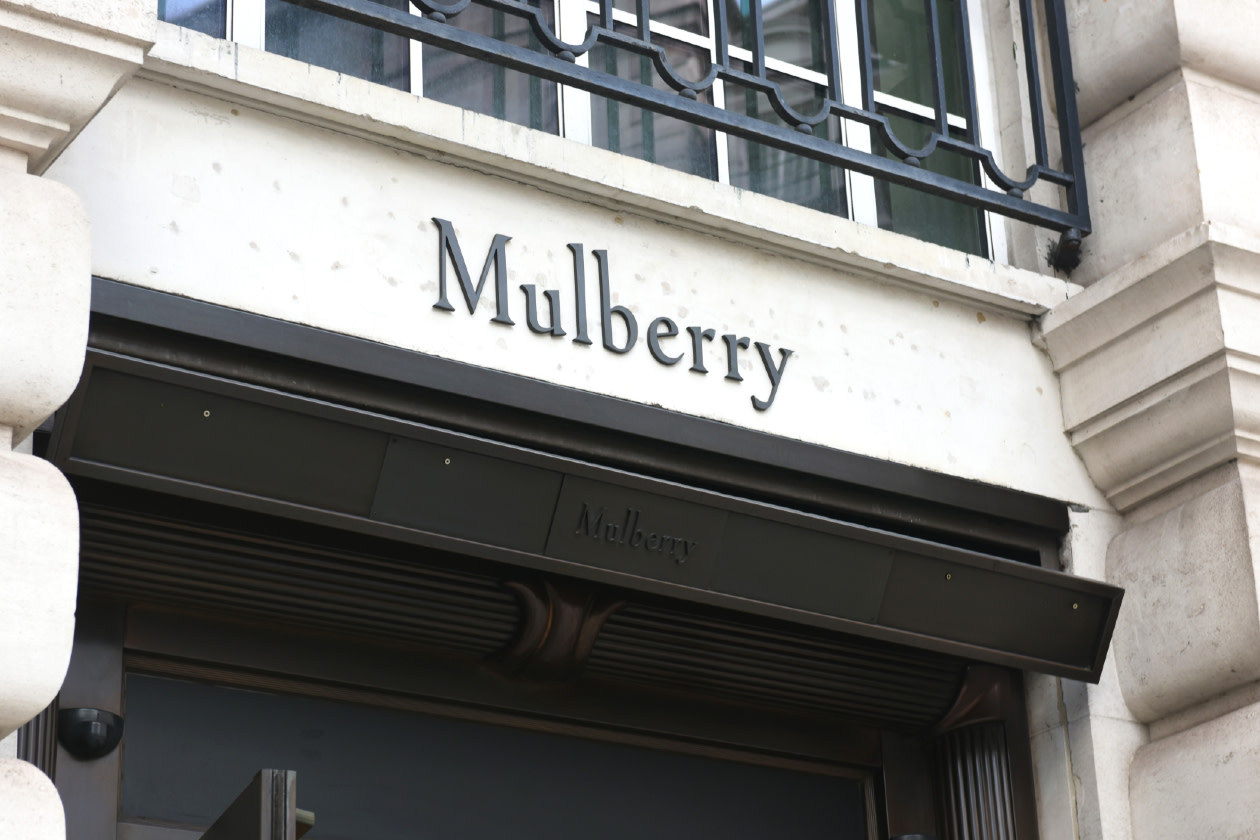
[[935, 61], [1069, 119], [1032, 66]]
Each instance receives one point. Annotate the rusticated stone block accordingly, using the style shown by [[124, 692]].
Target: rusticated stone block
[[39, 564], [29, 806], [1200, 782], [45, 293], [1190, 627]]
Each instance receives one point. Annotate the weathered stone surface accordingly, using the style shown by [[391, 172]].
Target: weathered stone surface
[[63, 60], [1218, 38], [1167, 162], [1144, 179], [1226, 121], [1081, 771], [45, 291], [1190, 628], [1121, 47], [1052, 774], [1102, 749], [39, 564], [1201, 782], [1118, 49], [29, 806], [1147, 413]]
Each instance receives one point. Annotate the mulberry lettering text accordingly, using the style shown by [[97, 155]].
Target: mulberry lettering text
[[619, 327], [626, 530]]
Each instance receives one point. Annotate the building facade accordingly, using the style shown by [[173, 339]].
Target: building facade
[[692, 429]]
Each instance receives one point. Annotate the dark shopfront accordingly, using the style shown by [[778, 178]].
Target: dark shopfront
[[459, 603]]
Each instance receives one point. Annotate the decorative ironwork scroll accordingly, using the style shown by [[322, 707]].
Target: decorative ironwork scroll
[[559, 61]]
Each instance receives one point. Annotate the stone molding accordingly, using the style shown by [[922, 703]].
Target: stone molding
[[1158, 365], [63, 61]]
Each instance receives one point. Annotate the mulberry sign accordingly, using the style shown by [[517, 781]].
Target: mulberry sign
[[667, 343], [596, 524]]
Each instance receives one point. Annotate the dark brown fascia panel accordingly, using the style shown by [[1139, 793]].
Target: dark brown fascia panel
[[517, 397], [175, 430]]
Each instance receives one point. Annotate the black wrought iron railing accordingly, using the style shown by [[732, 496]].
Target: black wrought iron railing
[[880, 110], [945, 127]]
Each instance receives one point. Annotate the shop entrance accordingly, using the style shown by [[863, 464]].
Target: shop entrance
[[463, 604]]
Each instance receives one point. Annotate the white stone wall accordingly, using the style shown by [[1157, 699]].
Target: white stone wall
[[29, 805]]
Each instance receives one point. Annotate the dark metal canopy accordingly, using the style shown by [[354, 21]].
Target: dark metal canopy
[[173, 400]]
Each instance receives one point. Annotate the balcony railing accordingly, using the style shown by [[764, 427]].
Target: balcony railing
[[855, 113]]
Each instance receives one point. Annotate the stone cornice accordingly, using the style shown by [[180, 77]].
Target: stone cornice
[[63, 61], [1159, 365]]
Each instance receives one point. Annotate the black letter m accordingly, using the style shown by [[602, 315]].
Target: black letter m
[[448, 244]]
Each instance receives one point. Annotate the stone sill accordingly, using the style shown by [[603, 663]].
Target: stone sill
[[444, 133]]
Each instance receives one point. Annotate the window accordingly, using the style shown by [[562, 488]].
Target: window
[[768, 50], [394, 773]]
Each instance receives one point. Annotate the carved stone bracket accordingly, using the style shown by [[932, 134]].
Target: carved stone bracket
[[62, 62], [1156, 364], [560, 620]]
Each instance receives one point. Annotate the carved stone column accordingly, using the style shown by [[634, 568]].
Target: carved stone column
[[60, 62]]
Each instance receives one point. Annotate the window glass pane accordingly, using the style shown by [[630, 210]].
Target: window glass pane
[[208, 16], [644, 134], [902, 59], [689, 15], [792, 30], [350, 48], [929, 217], [482, 87], [772, 172], [793, 34], [377, 774]]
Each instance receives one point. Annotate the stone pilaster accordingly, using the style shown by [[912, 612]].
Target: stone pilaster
[[60, 62], [1158, 361]]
